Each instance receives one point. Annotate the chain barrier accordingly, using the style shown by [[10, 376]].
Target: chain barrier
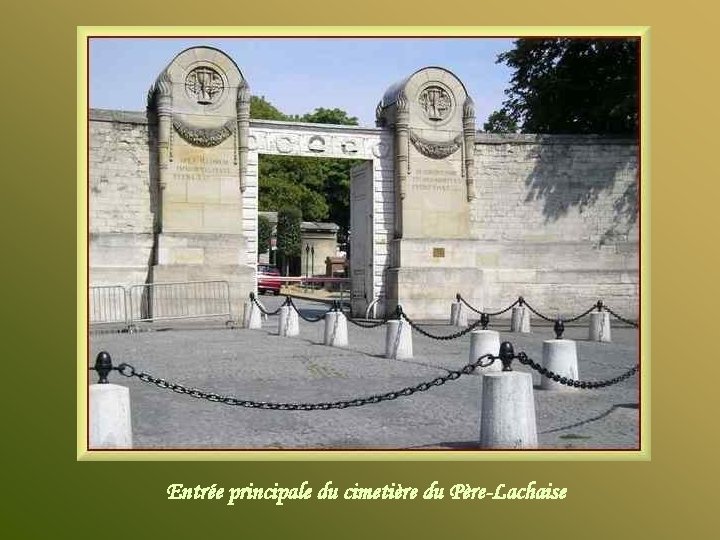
[[363, 324], [254, 299], [488, 313], [456, 335], [305, 318], [573, 319], [521, 301], [129, 371], [523, 359], [623, 319], [524, 302]]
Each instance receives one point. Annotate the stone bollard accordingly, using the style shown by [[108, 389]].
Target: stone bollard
[[335, 329], [458, 315], [398, 340], [285, 326], [560, 357], [507, 417], [251, 316], [520, 321], [600, 326], [109, 410], [292, 326], [485, 342]]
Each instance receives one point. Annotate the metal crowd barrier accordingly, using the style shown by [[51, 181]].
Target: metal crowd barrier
[[181, 300], [107, 305], [159, 301]]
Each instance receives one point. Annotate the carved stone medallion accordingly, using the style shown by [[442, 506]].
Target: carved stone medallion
[[204, 85], [436, 103]]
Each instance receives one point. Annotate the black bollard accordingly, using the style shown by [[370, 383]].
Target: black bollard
[[507, 353], [103, 366], [484, 320], [559, 328]]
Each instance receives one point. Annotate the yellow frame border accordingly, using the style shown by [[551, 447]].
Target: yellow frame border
[[85, 32]]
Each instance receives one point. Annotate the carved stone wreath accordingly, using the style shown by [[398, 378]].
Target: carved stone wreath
[[435, 150], [204, 137]]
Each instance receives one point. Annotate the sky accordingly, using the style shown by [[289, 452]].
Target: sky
[[298, 75]]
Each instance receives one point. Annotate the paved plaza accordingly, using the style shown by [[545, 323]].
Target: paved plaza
[[259, 365]]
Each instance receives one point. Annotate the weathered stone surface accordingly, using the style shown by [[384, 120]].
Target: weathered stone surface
[[552, 218]]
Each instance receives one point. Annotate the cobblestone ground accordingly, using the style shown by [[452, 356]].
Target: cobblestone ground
[[261, 366]]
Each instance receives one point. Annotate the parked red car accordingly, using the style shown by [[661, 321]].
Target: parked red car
[[268, 279]]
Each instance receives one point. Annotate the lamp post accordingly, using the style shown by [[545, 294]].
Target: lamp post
[[307, 261], [312, 259]]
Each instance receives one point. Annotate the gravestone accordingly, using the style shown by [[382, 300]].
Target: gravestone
[[432, 254], [199, 108]]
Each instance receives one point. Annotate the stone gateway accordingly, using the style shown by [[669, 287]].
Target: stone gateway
[[437, 208]]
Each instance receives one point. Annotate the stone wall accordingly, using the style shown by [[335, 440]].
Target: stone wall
[[121, 198], [556, 221]]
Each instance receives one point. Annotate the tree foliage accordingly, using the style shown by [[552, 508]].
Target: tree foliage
[[262, 109], [319, 187], [571, 85], [500, 122], [330, 116], [264, 234], [288, 234]]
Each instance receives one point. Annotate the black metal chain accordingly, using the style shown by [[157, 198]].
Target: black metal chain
[[549, 319], [264, 311], [456, 335], [484, 361], [623, 319], [363, 324], [521, 301], [489, 313], [523, 359], [573, 319], [303, 317]]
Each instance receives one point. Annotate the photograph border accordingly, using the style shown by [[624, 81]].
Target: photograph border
[[85, 33]]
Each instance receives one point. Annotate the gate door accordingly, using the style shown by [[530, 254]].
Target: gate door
[[361, 237]]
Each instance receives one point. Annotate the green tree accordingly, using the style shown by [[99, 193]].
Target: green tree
[[277, 192], [571, 85], [319, 187], [500, 122], [264, 234], [329, 116], [288, 235], [264, 110]]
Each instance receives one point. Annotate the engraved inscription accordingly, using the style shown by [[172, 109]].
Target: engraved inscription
[[199, 167], [435, 180], [438, 253]]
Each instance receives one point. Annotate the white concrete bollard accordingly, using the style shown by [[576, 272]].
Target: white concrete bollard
[[560, 357], [109, 411], [458, 315], [288, 323], [251, 318], [600, 326], [485, 342], [507, 418], [398, 340], [335, 329], [283, 321], [293, 323], [520, 321]]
